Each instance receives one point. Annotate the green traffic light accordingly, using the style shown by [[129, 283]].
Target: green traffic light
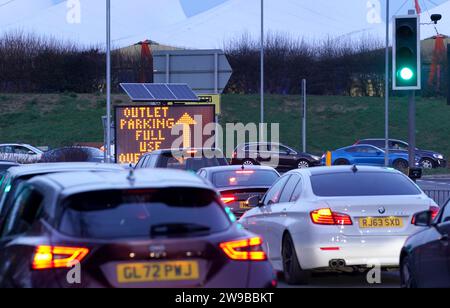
[[406, 73]]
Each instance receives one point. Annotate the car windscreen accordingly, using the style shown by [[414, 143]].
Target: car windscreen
[[126, 214], [189, 163], [362, 184], [244, 178]]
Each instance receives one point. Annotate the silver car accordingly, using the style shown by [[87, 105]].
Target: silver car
[[338, 218], [21, 153]]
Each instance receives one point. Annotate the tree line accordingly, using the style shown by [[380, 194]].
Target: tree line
[[334, 66]]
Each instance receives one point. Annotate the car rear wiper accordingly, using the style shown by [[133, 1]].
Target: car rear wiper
[[177, 229]]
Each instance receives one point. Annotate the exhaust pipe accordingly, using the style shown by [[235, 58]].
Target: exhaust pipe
[[337, 264], [333, 264]]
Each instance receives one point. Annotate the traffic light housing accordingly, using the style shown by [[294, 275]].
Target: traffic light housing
[[406, 53]]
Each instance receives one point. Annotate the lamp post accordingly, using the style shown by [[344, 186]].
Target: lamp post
[[262, 68], [108, 81], [386, 95]]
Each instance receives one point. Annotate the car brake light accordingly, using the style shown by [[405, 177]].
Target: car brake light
[[434, 212], [228, 199], [48, 257], [245, 250], [246, 172], [234, 156], [328, 217]]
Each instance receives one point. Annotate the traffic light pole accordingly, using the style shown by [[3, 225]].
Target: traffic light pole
[[412, 129], [386, 94]]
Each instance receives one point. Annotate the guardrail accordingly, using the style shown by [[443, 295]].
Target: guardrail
[[440, 196]]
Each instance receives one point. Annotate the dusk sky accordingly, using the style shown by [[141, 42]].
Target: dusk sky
[[207, 23]]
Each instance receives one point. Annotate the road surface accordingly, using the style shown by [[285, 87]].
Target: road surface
[[388, 280]]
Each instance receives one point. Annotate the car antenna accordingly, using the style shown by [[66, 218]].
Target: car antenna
[[355, 169]]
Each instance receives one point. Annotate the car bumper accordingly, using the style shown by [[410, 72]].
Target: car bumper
[[361, 251], [234, 274], [316, 163]]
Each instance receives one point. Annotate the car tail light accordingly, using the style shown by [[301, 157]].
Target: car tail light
[[328, 217], [48, 257], [234, 156], [434, 213], [228, 199], [245, 250]]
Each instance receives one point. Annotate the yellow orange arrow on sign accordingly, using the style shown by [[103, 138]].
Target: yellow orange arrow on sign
[[186, 120]]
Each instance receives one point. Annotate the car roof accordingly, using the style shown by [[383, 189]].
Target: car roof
[[262, 142], [168, 151], [15, 144], [342, 169], [237, 168], [360, 145], [382, 139], [32, 169], [8, 163], [79, 182]]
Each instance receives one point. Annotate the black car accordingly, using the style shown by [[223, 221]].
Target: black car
[[73, 154], [429, 159], [237, 184], [425, 258], [278, 156], [136, 229], [183, 159]]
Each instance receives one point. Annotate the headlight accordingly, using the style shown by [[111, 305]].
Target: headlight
[[315, 157], [438, 156]]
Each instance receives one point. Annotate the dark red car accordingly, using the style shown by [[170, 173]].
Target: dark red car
[[143, 229], [237, 184]]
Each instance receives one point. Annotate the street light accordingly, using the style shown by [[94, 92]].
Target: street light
[[262, 65], [108, 81]]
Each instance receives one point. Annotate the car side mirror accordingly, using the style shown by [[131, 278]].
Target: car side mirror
[[254, 201], [31, 153], [423, 219]]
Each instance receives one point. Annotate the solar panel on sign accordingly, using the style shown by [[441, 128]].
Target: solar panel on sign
[[137, 92], [160, 92], [150, 92], [182, 92]]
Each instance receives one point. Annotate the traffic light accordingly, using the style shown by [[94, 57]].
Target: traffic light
[[406, 53]]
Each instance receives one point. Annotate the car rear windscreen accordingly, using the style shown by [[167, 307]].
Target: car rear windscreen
[[362, 184], [244, 178], [119, 214]]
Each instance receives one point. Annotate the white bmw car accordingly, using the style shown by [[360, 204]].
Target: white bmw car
[[336, 218]]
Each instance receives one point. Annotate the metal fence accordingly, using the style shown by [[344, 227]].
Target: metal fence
[[440, 196]]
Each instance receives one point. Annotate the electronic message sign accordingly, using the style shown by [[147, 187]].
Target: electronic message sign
[[144, 129]]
